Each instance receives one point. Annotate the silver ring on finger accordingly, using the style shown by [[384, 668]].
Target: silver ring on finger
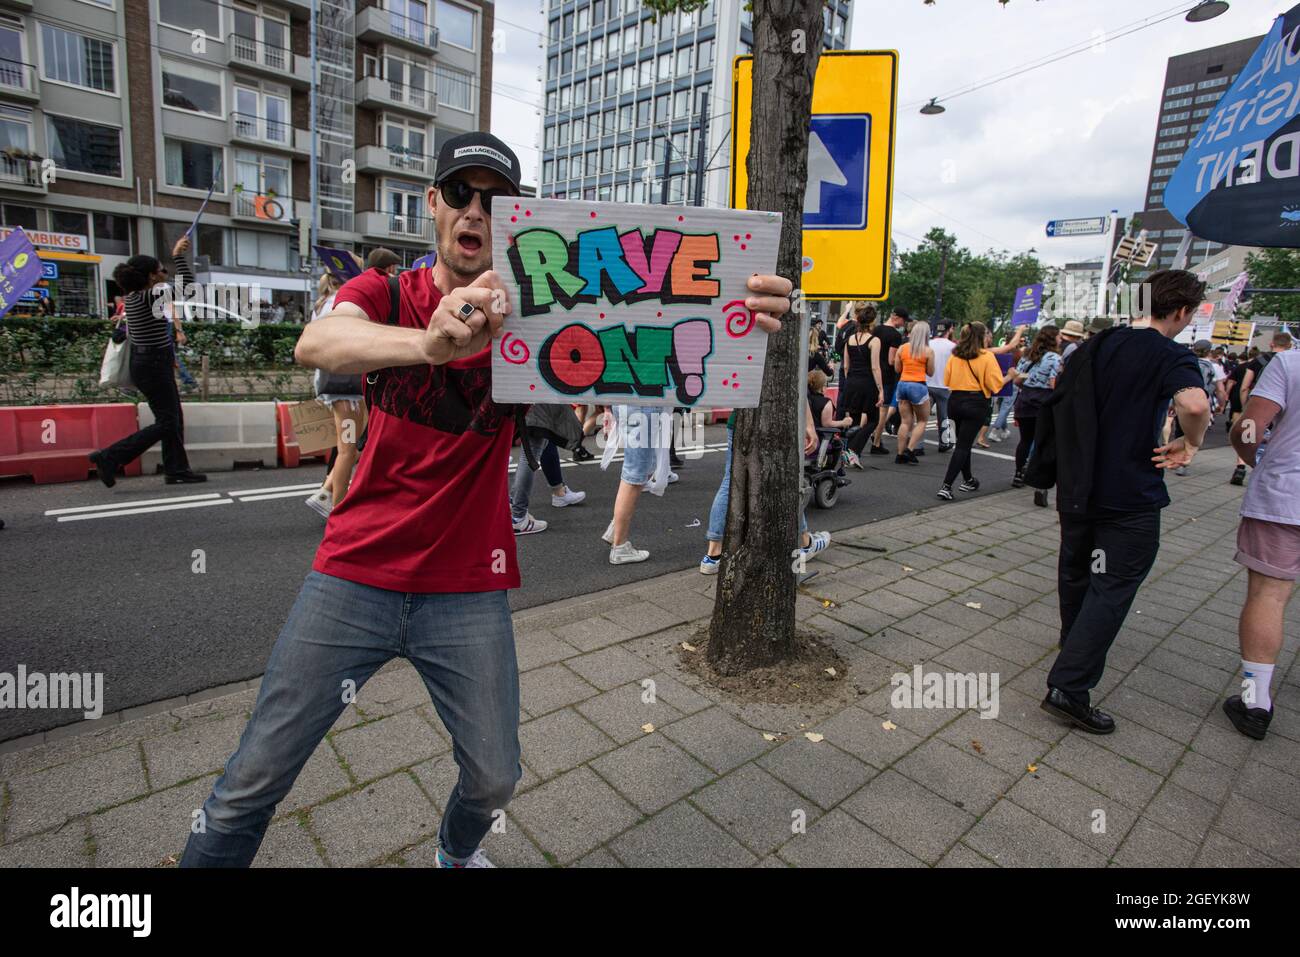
[[466, 310]]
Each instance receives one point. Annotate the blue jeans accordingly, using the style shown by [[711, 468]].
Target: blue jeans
[[722, 499], [338, 633], [186, 378], [521, 489], [1004, 411]]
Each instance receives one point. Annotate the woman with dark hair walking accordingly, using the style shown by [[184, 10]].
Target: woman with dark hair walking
[[860, 389], [973, 376], [1036, 376], [143, 279]]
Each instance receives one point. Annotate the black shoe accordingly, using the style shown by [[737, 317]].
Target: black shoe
[[104, 468], [1040, 498], [581, 454], [1252, 722], [188, 477], [878, 450], [945, 492], [972, 484], [1018, 480], [945, 448], [1080, 715], [675, 462], [1239, 475], [901, 459], [917, 451]]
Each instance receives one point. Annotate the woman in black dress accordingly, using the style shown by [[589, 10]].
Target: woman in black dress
[[861, 390]]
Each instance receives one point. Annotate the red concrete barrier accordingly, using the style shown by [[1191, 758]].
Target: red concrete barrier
[[50, 442], [720, 415], [286, 445]]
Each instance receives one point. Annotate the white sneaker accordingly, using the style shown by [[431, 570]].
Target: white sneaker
[[529, 525], [608, 536], [570, 497], [672, 477], [820, 542], [321, 502], [710, 565], [477, 859], [626, 554]]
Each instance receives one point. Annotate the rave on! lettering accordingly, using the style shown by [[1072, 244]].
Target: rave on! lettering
[[669, 267]]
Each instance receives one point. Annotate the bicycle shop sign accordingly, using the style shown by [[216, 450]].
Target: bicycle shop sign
[[70, 242]]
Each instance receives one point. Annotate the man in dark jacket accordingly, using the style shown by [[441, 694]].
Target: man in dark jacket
[[1107, 418]]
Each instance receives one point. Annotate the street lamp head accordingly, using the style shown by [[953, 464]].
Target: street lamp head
[[1206, 10], [932, 108]]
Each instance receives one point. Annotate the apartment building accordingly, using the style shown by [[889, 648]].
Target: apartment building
[[622, 89], [112, 137]]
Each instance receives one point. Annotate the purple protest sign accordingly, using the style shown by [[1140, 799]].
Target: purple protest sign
[[339, 262], [20, 268], [1029, 300]]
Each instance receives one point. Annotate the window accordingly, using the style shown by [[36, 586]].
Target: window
[[581, 59], [629, 79], [456, 25], [112, 234], [409, 19], [550, 102], [554, 30], [681, 104], [647, 68], [15, 133], [566, 61], [629, 40], [267, 250], [565, 97], [192, 165], [609, 122], [1172, 130], [579, 93], [597, 49], [548, 171], [611, 83], [661, 108], [701, 98], [261, 35], [13, 56], [406, 142], [624, 156], [593, 126], [625, 118], [594, 88], [1173, 90], [598, 11], [562, 135], [665, 66], [455, 88], [78, 60], [192, 15], [578, 126], [647, 33], [584, 19], [684, 60], [1163, 171], [643, 112], [607, 158], [403, 202], [552, 67], [568, 25], [259, 176], [1201, 113], [261, 116], [548, 138], [1175, 104], [84, 147], [592, 158], [1207, 98], [562, 167], [1210, 84], [1171, 145], [1174, 117], [187, 86]]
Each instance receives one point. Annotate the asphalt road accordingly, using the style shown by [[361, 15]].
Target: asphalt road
[[114, 591]]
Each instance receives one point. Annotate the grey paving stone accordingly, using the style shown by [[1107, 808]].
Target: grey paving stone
[[1207, 778], [588, 634], [1179, 810], [967, 621], [717, 739], [891, 603], [559, 741], [917, 820], [965, 658], [144, 833], [1074, 807], [683, 603], [1171, 690], [199, 749], [999, 744], [863, 735], [549, 687], [288, 843], [680, 837], [1142, 746], [651, 772], [1189, 669], [1125, 705], [611, 667], [599, 858], [539, 648], [320, 777], [1025, 714], [819, 771], [963, 856], [641, 618], [901, 647], [374, 821], [685, 698], [966, 781], [1012, 837], [65, 847], [1219, 741], [381, 747], [923, 592], [1103, 770], [1272, 832], [40, 800], [1220, 850], [922, 721], [754, 807], [105, 737], [573, 813], [1203, 652], [622, 713], [839, 840], [1149, 845]]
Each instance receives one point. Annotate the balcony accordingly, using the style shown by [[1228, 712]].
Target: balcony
[[374, 92], [274, 61], [262, 207], [22, 173], [381, 26], [249, 130], [394, 161], [19, 81], [381, 225]]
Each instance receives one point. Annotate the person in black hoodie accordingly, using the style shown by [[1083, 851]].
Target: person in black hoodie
[[1110, 480]]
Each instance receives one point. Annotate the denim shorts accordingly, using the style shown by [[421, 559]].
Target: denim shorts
[[638, 465], [913, 392]]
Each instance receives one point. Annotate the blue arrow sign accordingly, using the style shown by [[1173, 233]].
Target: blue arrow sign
[[1093, 226], [836, 194]]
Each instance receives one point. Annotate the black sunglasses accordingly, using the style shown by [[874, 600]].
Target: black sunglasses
[[459, 194]]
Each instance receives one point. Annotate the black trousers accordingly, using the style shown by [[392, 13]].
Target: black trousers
[[1105, 557], [151, 371], [1027, 426], [969, 411]]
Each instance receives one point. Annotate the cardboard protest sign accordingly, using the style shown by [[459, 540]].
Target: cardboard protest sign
[[622, 303], [313, 427], [20, 269]]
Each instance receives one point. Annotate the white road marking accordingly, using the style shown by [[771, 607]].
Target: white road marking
[[141, 511], [131, 504], [278, 488], [296, 493]]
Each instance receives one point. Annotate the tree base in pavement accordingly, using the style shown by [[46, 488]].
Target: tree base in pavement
[[804, 678]]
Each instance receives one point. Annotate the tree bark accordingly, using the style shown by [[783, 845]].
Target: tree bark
[[753, 621]]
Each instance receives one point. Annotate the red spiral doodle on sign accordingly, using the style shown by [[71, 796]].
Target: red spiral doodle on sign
[[740, 320], [513, 349]]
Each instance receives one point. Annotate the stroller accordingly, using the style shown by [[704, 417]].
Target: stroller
[[824, 469]]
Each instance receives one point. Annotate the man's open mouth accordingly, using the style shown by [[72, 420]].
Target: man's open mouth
[[469, 244]]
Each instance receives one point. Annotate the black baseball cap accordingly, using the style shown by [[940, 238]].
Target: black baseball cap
[[478, 149]]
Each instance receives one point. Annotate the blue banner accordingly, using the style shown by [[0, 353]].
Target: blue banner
[[1029, 300], [1239, 181], [20, 268]]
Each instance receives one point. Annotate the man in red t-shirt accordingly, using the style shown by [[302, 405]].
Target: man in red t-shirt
[[417, 558]]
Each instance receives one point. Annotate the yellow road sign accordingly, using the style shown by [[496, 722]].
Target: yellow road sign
[[1232, 333], [849, 199]]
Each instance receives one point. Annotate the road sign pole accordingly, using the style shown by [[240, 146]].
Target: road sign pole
[[700, 144], [1102, 291]]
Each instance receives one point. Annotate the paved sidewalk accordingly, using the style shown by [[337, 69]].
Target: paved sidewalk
[[964, 587]]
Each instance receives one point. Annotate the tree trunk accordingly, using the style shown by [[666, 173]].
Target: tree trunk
[[753, 616]]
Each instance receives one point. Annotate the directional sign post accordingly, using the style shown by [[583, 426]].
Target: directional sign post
[[848, 198], [1060, 228]]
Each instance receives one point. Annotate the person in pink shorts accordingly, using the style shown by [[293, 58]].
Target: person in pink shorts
[[1268, 540]]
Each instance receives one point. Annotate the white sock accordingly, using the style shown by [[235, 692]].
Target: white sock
[[1256, 679]]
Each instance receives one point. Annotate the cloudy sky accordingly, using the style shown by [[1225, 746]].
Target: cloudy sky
[[1072, 138]]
